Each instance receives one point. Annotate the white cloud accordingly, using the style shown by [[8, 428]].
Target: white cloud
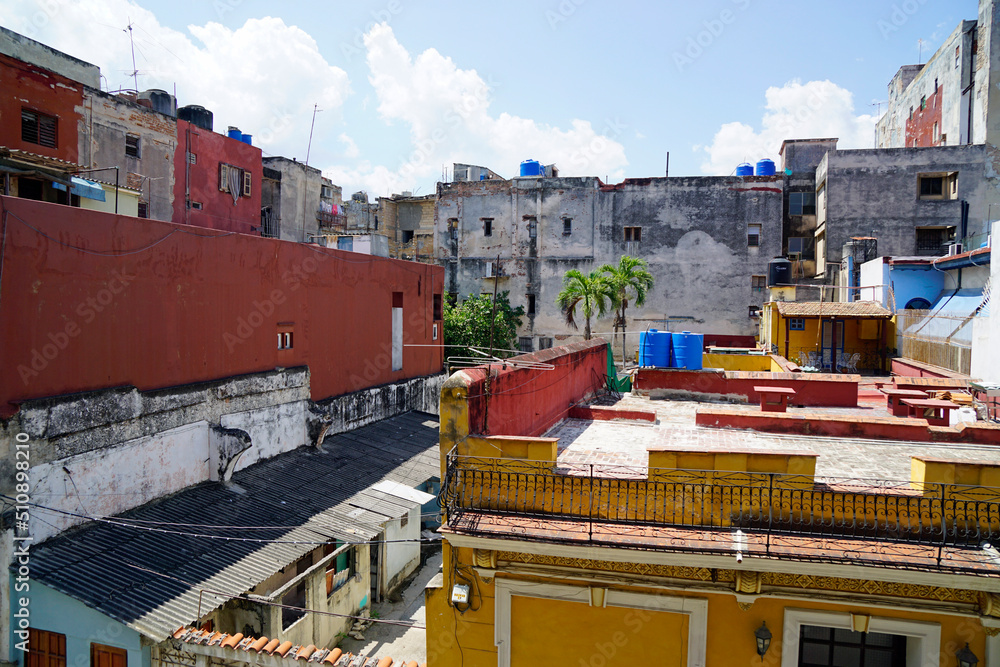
[[816, 109], [350, 148], [261, 90], [447, 111]]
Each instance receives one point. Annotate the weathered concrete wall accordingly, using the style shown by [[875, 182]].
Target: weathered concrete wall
[[936, 92], [865, 191], [401, 217], [28, 50], [359, 408], [300, 190], [104, 122], [693, 234]]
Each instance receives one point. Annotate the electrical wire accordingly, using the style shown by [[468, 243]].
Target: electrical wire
[[122, 524]]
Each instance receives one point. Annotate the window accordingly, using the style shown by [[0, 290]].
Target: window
[[108, 656], [143, 210], [404, 521], [937, 186], [753, 311], [633, 234], [407, 235], [453, 298], [753, 235], [956, 57], [453, 227], [826, 647], [797, 323], [132, 145], [911, 113], [935, 86], [285, 340], [397, 331], [437, 307], [758, 283], [339, 569], [802, 203], [544, 343], [38, 128], [234, 180], [531, 304], [933, 241], [487, 226], [45, 649], [923, 102], [524, 344], [934, 133], [196, 205], [567, 226]]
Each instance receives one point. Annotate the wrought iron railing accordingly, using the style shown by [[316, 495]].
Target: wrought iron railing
[[936, 515]]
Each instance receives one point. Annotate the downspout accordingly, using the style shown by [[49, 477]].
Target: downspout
[[187, 175]]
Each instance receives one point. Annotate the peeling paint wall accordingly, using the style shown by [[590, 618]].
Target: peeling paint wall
[[300, 190], [34, 88], [693, 234], [866, 191], [105, 120]]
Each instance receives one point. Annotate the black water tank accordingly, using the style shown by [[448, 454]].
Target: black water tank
[[160, 100], [198, 115], [779, 272]]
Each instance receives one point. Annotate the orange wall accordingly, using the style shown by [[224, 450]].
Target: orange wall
[[91, 300]]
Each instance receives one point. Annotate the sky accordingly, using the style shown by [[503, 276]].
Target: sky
[[405, 88]]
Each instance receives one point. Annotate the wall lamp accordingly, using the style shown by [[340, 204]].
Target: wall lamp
[[966, 658], [763, 637]]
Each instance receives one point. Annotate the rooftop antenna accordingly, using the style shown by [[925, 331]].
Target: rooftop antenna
[[135, 72], [316, 110]]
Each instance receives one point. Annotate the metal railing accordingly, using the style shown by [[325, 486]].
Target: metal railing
[[935, 515]]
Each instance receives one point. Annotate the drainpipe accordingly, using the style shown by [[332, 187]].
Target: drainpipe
[[187, 175]]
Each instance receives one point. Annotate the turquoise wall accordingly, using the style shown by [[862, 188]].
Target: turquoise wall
[[55, 612]]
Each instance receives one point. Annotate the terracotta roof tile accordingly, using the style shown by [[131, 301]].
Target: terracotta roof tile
[[240, 643], [832, 309]]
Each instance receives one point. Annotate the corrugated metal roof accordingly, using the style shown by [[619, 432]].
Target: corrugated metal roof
[[832, 309], [307, 495]]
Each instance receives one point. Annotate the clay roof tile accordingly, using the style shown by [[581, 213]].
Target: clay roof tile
[[332, 658], [304, 652], [258, 644], [270, 646], [232, 640], [282, 649]]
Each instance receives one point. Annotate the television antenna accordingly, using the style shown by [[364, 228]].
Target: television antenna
[[131, 40]]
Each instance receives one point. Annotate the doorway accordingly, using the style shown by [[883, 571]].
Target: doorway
[[833, 343]]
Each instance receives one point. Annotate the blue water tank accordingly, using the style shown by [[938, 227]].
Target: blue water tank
[[646, 343], [234, 133], [532, 168], [688, 349], [765, 167], [247, 139], [745, 169], [654, 348]]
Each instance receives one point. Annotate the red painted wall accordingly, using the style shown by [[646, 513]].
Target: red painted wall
[[528, 402], [920, 127], [199, 182], [45, 92], [102, 301], [815, 390]]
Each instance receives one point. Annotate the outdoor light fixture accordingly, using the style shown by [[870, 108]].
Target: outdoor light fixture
[[966, 658], [763, 636]]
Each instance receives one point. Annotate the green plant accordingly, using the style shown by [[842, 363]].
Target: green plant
[[591, 292], [468, 325], [374, 614], [629, 279]]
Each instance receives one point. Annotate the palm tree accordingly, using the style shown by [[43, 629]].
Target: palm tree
[[591, 291], [630, 278]]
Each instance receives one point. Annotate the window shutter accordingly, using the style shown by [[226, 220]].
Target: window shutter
[[247, 180], [223, 177]]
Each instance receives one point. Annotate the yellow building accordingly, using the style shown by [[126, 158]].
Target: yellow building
[[614, 541], [849, 336]]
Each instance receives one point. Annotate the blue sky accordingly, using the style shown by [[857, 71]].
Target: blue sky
[[406, 88]]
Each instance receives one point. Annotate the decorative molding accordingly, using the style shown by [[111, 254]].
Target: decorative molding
[[746, 582], [485, 558], [992, 632], [989, 604]]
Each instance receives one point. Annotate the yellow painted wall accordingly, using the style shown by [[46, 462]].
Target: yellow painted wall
[[556, 632], [575, 630], [860, 335], [739, 362]]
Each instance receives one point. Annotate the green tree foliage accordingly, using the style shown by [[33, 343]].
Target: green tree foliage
[[630, 279], [591, 292], [468, 324]]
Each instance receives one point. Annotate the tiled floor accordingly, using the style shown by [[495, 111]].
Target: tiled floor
[[606, 444]]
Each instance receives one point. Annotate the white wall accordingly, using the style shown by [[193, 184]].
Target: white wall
[[875, 273], [274, 430], [401, 558], [985, 361]]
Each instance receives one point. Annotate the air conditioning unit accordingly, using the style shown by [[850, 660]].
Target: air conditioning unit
[[954, 249], [794, 256]]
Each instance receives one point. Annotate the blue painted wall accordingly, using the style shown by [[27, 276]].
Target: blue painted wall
[[55, 612], [920, 281]]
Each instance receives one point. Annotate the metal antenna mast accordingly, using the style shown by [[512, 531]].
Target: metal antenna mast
[[316, 110], [135, 72]]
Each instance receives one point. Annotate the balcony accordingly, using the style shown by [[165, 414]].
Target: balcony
[[768, 515], [331, 221]]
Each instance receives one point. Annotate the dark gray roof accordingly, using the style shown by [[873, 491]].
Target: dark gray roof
[[321, 495]]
